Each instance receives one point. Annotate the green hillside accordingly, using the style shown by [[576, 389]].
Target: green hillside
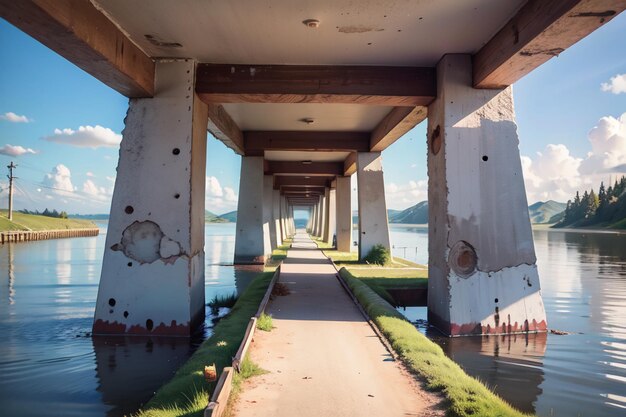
[[23, 221], [231, 216], [417, 214], [546, 212]]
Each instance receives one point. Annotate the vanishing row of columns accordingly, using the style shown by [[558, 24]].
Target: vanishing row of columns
[[482, 273]]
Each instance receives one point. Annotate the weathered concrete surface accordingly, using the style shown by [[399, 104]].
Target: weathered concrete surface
[[322, 356], [343, 215], [373, 221], [268, 240], [249, 236], [152, 278], [276, 235], [483, 277]]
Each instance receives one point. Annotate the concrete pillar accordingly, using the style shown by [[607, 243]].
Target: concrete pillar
[[283, 218], [482, 273], [269, 232], [276, 219], [332, 219], [344, 214], [249, 236], [293, 222], [152, 278], [373, 222], [321, 217]]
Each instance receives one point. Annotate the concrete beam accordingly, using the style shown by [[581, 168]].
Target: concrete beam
[[398, 122], [540, 30], [301, 181], [303, 169], [481, 258], [152, 280], [256, 142], [349, 165], [249, 236], [224, 128], [383, 86], [80, 33], [373, 222]]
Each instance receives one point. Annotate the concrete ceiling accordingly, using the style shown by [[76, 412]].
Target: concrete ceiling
[[364, 32], [306, 156]]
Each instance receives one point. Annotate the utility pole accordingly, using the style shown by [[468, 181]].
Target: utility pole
[[11, 178]]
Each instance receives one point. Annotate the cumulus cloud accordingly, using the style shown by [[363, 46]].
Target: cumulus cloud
[[59, 181], [402, 196], [17, 150], [86, 137], [14, 118], [219, 199], [556, 174], [96, 192], [616, 85]]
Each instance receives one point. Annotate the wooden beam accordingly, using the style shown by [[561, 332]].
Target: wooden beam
[[301, 181], [224, 128], [349, 165], [542, 29], [83, 35], [385, 86], [394, 125], [256, 142], [298, 168]]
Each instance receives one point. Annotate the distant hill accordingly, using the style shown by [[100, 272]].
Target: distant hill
[[211, 217], [417, 214], [546, 212], [390, 214], [89, 216], [231, 216]]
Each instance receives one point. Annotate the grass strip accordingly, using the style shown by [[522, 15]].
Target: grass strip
[[187, 393], [466, 395], [34, 222]]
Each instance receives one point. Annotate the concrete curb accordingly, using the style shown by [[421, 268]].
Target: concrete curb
[[219, 399]]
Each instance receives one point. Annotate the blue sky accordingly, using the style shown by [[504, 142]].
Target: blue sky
[[48, 107]]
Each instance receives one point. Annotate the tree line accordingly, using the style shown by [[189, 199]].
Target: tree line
[[607, 208], [47, 213]]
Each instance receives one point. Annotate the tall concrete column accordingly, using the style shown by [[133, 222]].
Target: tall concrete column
[[283, 218], [329, 226], [313, 219], [269, 232], [249, 237], [344, 214], [152, 278], [482, 273], [293, 222], [321, 217], [373, 222], [276, 219]]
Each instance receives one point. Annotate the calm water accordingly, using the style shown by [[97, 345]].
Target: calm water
[[49, 364], [583, 279], [48, 361]]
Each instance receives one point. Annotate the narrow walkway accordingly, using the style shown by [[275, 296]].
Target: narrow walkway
[[322, 356]]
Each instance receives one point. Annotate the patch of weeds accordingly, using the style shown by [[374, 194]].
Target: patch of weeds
[[378, 255], [220, 301], [280, 289], [248, 369], [264, 322]]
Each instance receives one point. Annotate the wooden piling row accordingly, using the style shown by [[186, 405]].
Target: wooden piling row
[[30, 235]]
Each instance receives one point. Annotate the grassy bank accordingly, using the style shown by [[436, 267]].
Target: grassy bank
[[466, 395], [187, 393], [34, 222]]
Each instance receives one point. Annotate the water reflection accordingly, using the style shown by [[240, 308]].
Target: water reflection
[[145, 361]]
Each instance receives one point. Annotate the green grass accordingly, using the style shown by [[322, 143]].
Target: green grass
[[222, 301], [466, 395], [342, 257], [264, 322], [33, 222], [352, 258], [188, 393]]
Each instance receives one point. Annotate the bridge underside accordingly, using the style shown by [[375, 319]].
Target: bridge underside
[[310, 93]]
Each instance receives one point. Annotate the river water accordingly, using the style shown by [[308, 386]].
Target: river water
[[50, 365]]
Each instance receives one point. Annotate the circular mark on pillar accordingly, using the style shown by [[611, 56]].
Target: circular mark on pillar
[[149, 324], [462, 259], [175, 151], [130, 264], [111, 311], [176, 196], [126, 314], [129, 209], [496, 300], [485, 158], [112, 302], [435, 140]]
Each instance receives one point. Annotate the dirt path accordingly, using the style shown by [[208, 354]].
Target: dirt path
[[322, 356]]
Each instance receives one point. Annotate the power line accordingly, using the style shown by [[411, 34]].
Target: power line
[[11, 166]]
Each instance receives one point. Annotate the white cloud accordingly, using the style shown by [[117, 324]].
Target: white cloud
[[616, 85], [98, 193], [15, 118], [403, 196], [89, 174], [59, 181], [17, 150], [86, 137], [219, 199], [556, 174]]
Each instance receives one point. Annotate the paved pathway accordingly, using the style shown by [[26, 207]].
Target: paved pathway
[[322, 356]]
